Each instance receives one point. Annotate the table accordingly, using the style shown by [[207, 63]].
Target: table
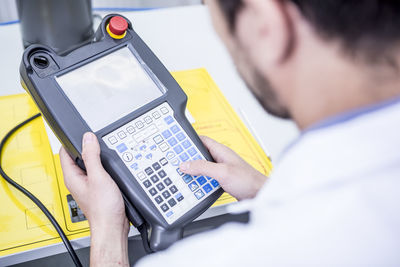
[[183, 38]]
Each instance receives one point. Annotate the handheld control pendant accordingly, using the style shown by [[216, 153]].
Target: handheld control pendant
[[117, 88]]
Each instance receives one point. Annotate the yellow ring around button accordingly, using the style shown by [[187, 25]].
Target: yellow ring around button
[[114, 35]]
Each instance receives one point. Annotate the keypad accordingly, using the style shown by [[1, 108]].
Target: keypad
[[173, 189], [184, 157], [147, 183], [159, 199], [149, 171], [201, 180], [207, 188], [172, 202], [175, 129], [154, 179], [178, 149], [172, 141], [153, 191], [179, 197], [180, 136], [164, 207], [163, 161], [152, 146], [193, 186], [166, 194], [162, 173], [187, 178], [156, 166], [160, 186], [167, 181], [199, 194], [167, 134], [131, 129]]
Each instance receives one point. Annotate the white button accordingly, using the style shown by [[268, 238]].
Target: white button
[[170, 155], [141, 175], [164, 110], [130, 129], [156, 115], [164, 147], [148, 120], [122, 134], [158, 139], [139, 124], [127, 156], [112, 140], [175, 162], [149, 131]]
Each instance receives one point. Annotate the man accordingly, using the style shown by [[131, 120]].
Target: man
[[333, 67]]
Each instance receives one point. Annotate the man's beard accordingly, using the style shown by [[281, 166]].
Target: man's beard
[[265, 94]]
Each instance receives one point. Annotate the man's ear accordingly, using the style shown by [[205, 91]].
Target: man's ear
[[264, 29]]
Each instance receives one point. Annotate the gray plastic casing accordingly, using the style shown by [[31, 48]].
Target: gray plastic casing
[[69, 126]]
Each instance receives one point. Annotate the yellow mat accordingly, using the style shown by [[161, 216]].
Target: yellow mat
[[29, 160]]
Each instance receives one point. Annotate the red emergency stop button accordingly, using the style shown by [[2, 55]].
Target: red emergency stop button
[[117, 27]]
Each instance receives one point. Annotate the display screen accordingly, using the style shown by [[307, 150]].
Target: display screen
[[110, 88]]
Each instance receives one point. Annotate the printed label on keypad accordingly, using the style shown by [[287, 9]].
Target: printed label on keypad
[[152, 148]]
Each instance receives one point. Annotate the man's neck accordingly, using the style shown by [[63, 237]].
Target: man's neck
[[334, 86]]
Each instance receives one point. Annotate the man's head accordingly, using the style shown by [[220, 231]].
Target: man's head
[[294, 54]]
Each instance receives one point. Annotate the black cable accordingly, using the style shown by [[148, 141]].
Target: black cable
[[143, 230], [53, 221]]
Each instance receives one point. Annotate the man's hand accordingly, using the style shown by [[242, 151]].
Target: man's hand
[[101, 201], [235, 175]]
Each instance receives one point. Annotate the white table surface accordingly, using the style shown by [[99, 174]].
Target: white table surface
[[183, 38]]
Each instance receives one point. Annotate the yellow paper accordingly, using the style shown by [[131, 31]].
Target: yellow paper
[[29, 160]]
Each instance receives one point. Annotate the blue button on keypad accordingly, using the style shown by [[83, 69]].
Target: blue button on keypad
[[172, 141], [199, 194], [192, 151], [179, 197], [184, 157], [186, 144], [201, 180], [193, 186], [179, 172], [215, 183], [180, 136], [169, 120], [198, 157], [135, 166], [187, 178], [175, 129], [207, 188], [208, 177], [122, 148], [178, 149], [167, 134]]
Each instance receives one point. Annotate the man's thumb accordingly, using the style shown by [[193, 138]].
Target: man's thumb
[[203, 167], [91, 153]]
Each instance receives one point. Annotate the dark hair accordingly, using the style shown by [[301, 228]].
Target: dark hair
[[371, 25]]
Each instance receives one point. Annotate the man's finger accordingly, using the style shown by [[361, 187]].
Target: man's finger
[[91, 154], [218, 151], [73, 175], [217, 171]]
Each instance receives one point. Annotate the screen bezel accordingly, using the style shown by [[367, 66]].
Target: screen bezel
[[148, 71]]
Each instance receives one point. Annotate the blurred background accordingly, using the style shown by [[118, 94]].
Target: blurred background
[[8, 10]]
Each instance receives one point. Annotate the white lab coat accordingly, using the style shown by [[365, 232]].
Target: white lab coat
[[333, 200]]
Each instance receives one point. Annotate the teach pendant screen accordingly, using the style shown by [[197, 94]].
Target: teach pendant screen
[[110, 88]]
